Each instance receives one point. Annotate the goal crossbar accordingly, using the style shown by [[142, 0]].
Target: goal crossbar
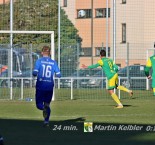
[[26, 32]]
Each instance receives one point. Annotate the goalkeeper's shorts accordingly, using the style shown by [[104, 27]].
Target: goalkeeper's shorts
[[43, 96]]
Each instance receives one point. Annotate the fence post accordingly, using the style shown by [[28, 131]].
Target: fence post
[[71, 88], [78, 53], [22, 87], [147, 84], [119, 92], [147, 80], [128, 79], [106, 83], [53, 97]]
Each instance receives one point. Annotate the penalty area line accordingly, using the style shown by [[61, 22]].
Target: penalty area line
[[104, 115]]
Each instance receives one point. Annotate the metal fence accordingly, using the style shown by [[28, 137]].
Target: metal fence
[[71, 88], [125, 29]]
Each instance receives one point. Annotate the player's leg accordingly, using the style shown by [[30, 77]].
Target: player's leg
[[115, 98], [111, 86], [153, 86], [40, 102], [122, 88], [47, 109], [46, 113], [39, 99]]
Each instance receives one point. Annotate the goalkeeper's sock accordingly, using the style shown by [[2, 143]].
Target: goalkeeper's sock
[[116, 99], [48, 114], [122, 88]]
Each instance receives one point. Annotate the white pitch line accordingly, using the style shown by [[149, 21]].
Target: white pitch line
[[77, 116], [106, 115]]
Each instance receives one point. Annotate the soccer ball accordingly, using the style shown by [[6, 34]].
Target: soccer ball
[[1, 140], [81, 13]]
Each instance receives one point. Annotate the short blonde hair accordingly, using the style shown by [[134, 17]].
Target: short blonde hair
[[46, 49]]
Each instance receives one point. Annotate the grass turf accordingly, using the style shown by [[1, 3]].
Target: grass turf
[[21, 122]]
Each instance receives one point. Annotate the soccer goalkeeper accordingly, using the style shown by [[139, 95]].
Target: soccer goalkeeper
[[151, 64], [110, 69], [44, 69]]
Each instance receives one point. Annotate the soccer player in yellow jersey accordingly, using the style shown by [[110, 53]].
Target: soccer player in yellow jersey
[[151, 64], [110, 69]]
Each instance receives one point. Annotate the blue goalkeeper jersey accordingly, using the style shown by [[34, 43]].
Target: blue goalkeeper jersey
[[44, 69]]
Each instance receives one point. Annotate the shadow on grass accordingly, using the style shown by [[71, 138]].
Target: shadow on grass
[[71, 132], [128, 106]]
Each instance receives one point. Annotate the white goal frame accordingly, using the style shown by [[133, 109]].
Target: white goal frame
[[26, 32]]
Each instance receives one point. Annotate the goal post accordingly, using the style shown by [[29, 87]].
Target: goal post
[[51, 33]]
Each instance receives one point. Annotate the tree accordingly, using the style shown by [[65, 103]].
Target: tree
[[38, 15], [41, 15]]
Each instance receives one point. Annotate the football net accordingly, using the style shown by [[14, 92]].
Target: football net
[[18, 52]]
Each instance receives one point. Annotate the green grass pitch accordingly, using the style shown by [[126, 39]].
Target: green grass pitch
[[21, 122]]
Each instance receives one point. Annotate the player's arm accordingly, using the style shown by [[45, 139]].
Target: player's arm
[[36, 69], [57, 71], [147, 68], [93, 66], [99, 63]]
